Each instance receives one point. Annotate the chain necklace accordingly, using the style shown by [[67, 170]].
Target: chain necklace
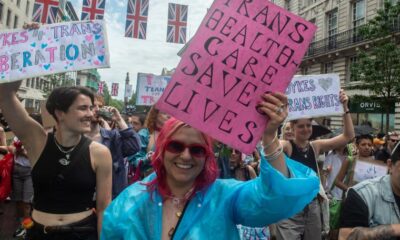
[[304, 151], [64, 161]]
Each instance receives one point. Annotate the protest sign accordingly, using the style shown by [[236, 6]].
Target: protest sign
[[366, 170], [314, 96], [149, 88], [54, 48], [241, 50]]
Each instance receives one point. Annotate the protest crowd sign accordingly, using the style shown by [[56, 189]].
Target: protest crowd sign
[[54, 48], [149, 88], [314, 96], [241, 50]]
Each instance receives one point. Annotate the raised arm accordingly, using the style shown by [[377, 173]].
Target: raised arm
[[275, 107], [380, 232], [326, 145], [24, 127]]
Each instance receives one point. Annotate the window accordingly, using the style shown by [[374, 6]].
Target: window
[[28, 5], [41, 84], [287, 5], [27, 82], [351, 61], [332, 27], [1, 11], [15, 21], [32, 83], [78, 82], [327, 67], [304, 71], [8, 21], [18, 3], [37, 83], [29, 103]]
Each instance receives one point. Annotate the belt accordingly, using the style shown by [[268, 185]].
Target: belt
[[73, 227]]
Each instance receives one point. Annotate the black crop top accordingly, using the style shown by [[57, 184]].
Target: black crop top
[[62, 191], [306, 157]]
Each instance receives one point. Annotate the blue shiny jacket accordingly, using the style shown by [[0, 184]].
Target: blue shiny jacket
[[215, 211], [122, 144]]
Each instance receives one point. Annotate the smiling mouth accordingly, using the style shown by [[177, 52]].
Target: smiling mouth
[[184, 166]]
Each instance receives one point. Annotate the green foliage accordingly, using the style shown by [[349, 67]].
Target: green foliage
[[378, 66], [118, 104]]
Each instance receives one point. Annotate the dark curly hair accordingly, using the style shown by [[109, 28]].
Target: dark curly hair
[[62, 98]]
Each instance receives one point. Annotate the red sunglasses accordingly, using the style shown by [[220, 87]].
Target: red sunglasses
[[196, 150]]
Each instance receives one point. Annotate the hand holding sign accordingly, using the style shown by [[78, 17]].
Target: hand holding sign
[[274, 105], [344, 99]]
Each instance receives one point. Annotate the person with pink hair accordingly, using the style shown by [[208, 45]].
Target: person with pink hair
[[183, 199]]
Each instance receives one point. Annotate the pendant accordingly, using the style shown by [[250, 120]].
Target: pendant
[[64, 162], [178, 214], [305, 155]]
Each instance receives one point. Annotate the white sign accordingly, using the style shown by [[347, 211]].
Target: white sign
[[53, 48], [149, 88], [314, 96], [366, 170]]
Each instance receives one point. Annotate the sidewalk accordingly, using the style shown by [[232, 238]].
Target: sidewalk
[[7, 221]]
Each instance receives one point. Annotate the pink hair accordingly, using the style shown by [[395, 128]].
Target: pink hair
[[205, 178]]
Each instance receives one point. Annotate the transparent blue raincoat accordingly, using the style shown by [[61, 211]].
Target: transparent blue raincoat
[[214, 212]]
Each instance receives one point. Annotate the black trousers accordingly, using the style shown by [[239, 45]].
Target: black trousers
[[86, 229]]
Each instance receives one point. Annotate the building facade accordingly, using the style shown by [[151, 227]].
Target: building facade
[[334, 50]]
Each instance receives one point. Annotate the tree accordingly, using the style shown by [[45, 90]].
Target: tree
[[378, 66]]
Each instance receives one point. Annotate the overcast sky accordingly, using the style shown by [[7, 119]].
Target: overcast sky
[[148, 56]]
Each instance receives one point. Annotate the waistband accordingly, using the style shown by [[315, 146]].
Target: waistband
[[88, 224]]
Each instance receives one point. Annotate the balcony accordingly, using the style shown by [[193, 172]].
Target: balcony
[[341, 41]]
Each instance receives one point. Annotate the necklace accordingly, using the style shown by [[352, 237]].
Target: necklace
[[64, 161], [304, 151]]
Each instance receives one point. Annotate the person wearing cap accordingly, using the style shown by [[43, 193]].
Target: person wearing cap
[[391, 140], [371, 209]]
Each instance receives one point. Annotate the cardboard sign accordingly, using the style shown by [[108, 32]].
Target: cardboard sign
[[314, 96], [241, 50], [366, 170], [149, 88], [54, 48]]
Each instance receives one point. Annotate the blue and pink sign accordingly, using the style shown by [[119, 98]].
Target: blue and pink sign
[[51, 49]]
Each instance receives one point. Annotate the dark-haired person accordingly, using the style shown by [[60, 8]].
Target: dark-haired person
[[122, 141], [183, 199], [371, 209], [71, 174], [384, 153], [348, 175], [307, 223]]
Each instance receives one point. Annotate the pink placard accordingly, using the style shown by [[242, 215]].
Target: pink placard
[[241, 50]]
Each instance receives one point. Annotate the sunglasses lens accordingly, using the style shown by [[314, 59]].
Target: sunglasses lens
[[175, 147], [197, 151]]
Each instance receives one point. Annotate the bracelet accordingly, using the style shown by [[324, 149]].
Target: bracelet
[[273, 140], [273, 156]]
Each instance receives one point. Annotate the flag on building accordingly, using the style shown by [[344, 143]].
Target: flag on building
[[101, 87], [114, 89], [136, 19], [93, 9], [177, 23], [45, 11], [128, 91]]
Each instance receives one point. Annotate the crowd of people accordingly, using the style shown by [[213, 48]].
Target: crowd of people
[[102, 174]]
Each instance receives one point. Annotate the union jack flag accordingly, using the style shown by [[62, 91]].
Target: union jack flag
[[45, 11], [93, 9], [101, 87], [136, 19], [114, 89], [177, 22]]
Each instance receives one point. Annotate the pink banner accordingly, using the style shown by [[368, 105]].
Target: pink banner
[[241, 50]]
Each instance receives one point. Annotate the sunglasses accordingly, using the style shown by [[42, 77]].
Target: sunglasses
[[176, 147]]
